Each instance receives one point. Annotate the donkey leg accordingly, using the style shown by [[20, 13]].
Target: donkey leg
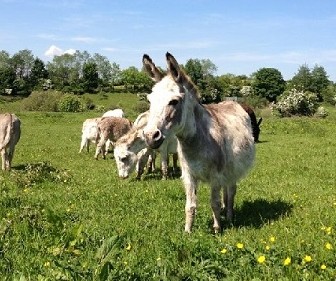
[[216, 206], [190, 185], [229, 202], [4, 158], [100, 148], [164, 165]]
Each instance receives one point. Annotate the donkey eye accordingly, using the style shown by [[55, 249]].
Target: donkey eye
[[173, 102]]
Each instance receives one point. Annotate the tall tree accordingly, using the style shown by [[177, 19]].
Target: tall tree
[[7, 72], [268, 83], [320, 81], [38, 72], [104, 68], [302, 80], [90, 77]]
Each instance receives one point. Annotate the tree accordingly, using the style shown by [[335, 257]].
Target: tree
[[90, 77], [22, 63], [7, 73], [320, 81], [38, 73], [302, 80], [194, 69], [65, 71], [268, 83], [115, 74], [104, 68]]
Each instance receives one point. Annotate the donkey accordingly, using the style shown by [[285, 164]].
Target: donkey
[[131, 151], [255, 124], [215, 142]]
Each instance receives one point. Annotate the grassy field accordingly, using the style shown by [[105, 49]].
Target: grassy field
[[66, 216]]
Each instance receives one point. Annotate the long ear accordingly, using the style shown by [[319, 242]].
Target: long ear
[[259, 122], [174, 68], [151, 69], [180, 76]]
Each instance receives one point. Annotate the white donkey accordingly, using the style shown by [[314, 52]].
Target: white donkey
[[215, 142], [131, 151]]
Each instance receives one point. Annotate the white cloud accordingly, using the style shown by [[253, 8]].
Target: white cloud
[[53, 51], [70, 51], [56, 51]]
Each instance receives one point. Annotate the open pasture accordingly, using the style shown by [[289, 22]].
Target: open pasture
[[66, 216]]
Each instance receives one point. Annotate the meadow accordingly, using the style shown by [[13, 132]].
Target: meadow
[[66, 216]]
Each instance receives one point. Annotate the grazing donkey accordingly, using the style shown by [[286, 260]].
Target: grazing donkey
[[215, 142], [10, 132], [131, 151], [255, 124]]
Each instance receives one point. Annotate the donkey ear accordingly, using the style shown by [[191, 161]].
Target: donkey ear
[[151, 69], [174, 67]]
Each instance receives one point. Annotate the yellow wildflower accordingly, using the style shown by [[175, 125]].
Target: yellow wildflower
[[328, 246], [223, 251], [323, 266], [328, 230], [261, 259], [287, 261], [267, 247], [128, 248], [240, 245], [272, 239], [307, 258], [47, 264]]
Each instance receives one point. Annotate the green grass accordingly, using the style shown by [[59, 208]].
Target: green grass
[[66, 216]]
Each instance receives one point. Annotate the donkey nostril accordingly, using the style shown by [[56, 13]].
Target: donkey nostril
[[157, 135]]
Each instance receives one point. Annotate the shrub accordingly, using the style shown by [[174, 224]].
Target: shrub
[[70, 103], [296, 103], [42, 101], [141, 106], [321, 112]]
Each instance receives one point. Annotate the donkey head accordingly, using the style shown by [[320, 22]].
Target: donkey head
[[169, 100]]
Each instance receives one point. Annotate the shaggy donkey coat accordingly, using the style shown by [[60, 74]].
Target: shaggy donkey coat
[[215, 142]]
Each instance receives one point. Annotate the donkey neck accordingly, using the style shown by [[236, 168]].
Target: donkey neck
[[194, 130]]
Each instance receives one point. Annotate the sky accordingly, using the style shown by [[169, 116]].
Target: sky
[[239, 36]]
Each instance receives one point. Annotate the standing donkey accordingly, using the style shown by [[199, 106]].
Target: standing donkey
[[215, 142]]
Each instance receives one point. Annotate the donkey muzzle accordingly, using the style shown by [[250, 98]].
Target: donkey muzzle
[[154, 139]]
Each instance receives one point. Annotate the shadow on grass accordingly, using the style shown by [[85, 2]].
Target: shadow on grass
[[256, 214], [260, 212]]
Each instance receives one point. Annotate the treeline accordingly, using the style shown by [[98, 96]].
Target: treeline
[[79, 73]]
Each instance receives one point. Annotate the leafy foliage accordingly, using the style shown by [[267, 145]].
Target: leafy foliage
[[70, 103], [42, 101], [268, 83]]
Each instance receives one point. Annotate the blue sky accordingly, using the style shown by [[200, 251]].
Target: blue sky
[[238, 36]]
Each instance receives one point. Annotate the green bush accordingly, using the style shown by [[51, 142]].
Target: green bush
[[42, 101], [70, 103], [141, 106], [294, 102]]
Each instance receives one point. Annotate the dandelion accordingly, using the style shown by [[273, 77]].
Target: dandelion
[[328, 230], [261, 259], [267, 248], [47, 264], [240, 245], [223, 251], [307, 258], [328, 246], [287, 261], [272, 239], [128, 248], [323, 266]]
